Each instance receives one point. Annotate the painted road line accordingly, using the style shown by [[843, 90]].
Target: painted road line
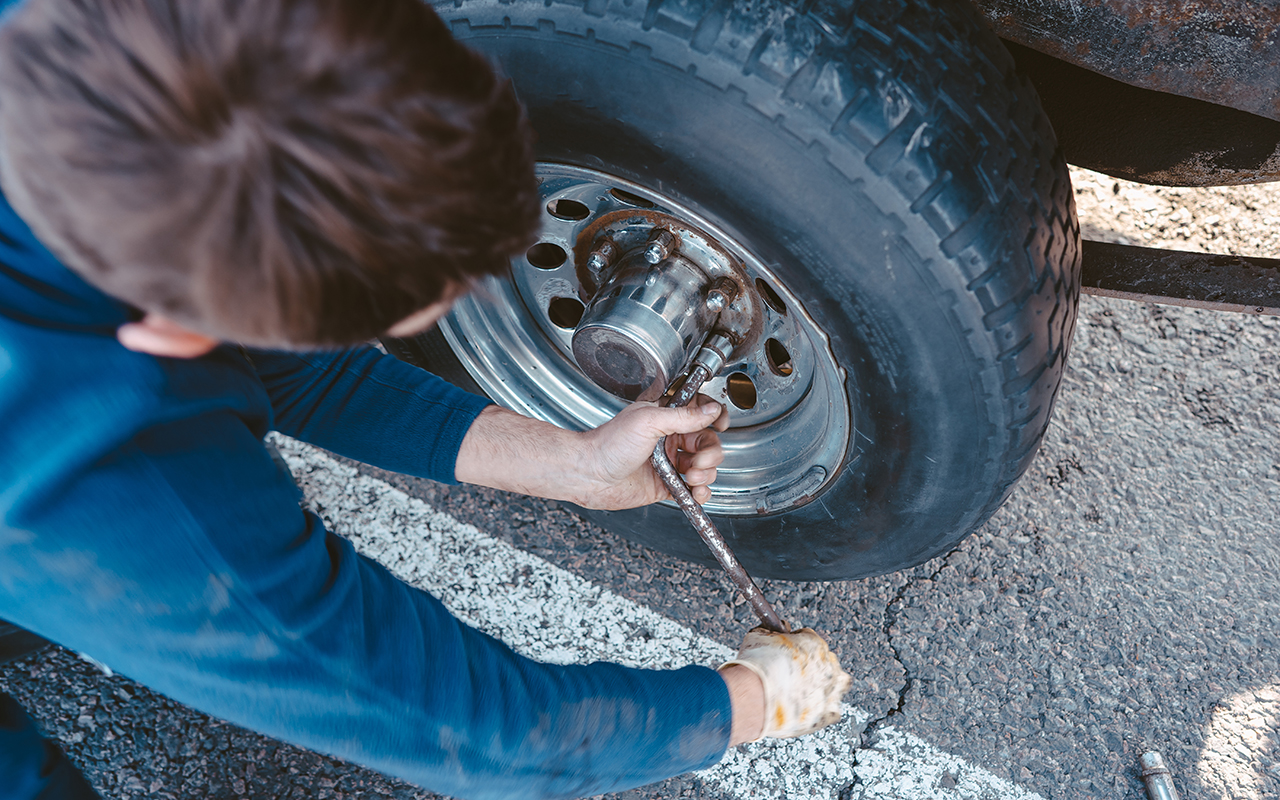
[[547, 613]]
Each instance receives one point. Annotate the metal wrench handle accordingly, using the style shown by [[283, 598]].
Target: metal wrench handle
[[699, 518]]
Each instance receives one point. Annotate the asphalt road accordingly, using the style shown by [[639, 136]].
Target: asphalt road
[[1125, 598]]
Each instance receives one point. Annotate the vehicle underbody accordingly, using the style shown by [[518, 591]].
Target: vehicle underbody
[[1167, 92]]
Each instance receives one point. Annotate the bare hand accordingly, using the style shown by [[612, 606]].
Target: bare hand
[[606, 468], [617, 453]]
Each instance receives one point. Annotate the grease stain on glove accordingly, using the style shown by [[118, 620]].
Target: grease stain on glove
[[803, 681]]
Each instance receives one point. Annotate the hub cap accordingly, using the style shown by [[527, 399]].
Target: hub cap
[[641, 325]]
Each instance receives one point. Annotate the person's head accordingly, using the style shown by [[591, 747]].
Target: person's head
[[280, 173]]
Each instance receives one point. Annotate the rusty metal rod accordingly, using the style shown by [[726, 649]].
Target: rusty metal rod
[[1200, 280], [699, 518], [689, 389]]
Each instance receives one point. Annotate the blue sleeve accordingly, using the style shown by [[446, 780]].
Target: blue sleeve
[[369, 406], [219, 591]]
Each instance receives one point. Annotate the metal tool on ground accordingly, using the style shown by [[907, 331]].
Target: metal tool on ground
[[1157, 777], [710, 358]]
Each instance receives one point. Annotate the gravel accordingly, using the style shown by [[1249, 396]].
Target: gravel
[[1124, 598]]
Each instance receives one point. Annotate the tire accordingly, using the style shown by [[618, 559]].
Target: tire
[[884, 160], [17, 642]]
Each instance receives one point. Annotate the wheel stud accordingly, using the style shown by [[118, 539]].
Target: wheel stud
[[601, 257], [721, 294], [661, 244]]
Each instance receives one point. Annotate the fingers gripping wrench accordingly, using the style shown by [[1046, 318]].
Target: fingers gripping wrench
[[709, 360]]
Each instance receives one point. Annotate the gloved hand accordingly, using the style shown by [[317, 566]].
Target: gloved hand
[[803, 681]]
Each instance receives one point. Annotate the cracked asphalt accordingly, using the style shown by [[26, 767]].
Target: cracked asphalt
[[1124, 599]]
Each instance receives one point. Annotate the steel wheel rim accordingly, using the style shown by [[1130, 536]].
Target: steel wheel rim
[[511, 336]]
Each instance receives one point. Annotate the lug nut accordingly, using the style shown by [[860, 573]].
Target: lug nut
[[602, 256], [721, 293], [661, 243]]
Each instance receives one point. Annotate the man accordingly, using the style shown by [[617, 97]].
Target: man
[[205, 201]]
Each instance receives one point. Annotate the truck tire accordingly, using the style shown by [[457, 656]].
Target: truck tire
[[902, 199]]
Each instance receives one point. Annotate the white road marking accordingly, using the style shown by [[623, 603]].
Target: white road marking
[[553, 615], [1237, 743]]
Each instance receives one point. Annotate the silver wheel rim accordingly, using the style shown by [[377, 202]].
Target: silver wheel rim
[[510, 334]]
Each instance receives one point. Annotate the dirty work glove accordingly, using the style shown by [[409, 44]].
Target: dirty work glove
[[803, 681]]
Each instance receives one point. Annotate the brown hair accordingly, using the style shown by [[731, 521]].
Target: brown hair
[[274, 172]]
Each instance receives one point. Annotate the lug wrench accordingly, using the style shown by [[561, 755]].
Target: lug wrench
[[709, 360]]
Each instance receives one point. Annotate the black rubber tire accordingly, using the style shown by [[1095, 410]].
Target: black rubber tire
[[887, 162], [18, 642]]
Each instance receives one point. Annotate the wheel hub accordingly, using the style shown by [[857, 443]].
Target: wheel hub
[[653, 305], [639, 329]]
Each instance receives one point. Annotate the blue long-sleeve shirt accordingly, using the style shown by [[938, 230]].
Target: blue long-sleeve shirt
[[142, 522]]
